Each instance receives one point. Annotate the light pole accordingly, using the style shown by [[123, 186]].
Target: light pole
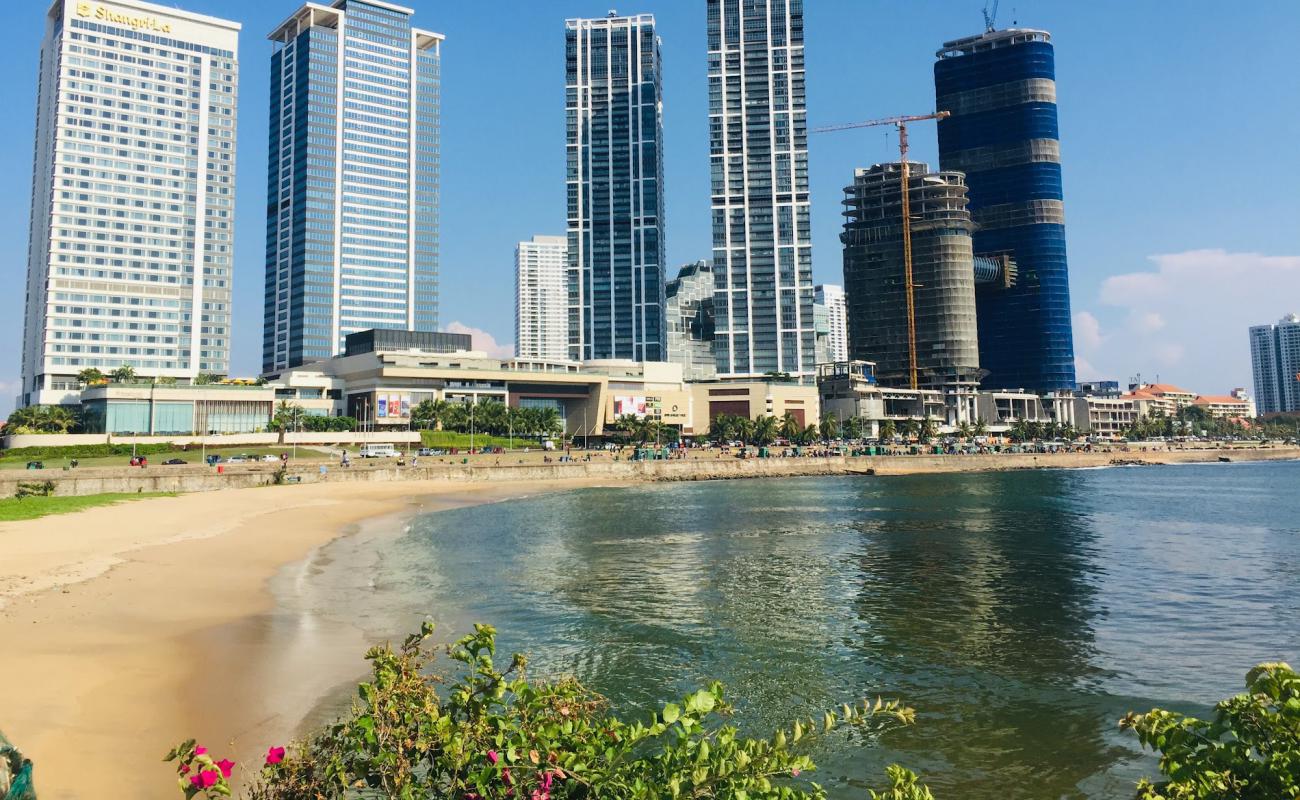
[[472, 403]]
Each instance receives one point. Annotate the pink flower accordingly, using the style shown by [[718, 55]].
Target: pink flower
[[274, 755], [225, 765], [207, 777], [195, 780], [795, 772], [200, 750], [493, 757], [184, 768]]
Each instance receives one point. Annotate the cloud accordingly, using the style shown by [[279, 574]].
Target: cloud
[[483, 340], [1186, 317]]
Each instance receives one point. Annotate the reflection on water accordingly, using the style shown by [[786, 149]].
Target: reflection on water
[[1021, 613]]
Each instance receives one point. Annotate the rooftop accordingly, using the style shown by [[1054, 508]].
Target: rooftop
[[991, 40]]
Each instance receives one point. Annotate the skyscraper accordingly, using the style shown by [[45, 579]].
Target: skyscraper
[[758, 145], [352, 193], [837, 331], [943, 272], [614, 153], [688, 300], [1000, 88], [133, 189], [542, 298], [1275, 362]]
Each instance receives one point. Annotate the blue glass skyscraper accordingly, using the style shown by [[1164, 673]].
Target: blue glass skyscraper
[[614, 161], [1000, 88], [352, 193]]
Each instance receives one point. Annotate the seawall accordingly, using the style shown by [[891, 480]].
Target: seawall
[[84, 481]]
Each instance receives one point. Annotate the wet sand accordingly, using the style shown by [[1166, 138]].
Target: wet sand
[[126, 629]]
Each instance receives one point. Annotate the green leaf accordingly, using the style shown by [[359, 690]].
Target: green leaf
[[671, 713]]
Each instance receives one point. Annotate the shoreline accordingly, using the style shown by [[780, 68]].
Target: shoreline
[[119, 646], [178, 617]]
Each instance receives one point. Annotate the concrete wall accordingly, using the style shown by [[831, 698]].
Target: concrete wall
[[215, 440], [196, 478]]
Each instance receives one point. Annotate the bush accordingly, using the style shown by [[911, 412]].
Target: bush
[[1249, 750], [86, 451], [493, 734]]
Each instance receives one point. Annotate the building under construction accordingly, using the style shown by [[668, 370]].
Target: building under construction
[[943, 270]]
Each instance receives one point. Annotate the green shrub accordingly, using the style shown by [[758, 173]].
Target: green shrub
[[86, 451], [492, 735], [1249, 750]]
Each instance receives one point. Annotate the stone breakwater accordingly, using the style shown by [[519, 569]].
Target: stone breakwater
[[201, 478]]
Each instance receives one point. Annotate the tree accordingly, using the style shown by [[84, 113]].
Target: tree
[[42, 419], [911, 428], [1019, 431], [765, 430], [288, 417], [1249, 749], [929, 429], [745, 430], [830, 427], [789, 429], [853, 428], [888, 430], [981, 427], [206, 378], [427, 413], [123, 374], [964, 430], [90, 376]]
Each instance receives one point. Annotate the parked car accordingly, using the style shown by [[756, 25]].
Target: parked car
[[270, 459], [425, 452], [172, 462], [36, 465], [237, 460]]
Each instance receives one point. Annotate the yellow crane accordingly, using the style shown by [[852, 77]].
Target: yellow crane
[[901, 124]]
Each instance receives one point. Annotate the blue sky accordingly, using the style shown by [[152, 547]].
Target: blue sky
[[1180, 127]]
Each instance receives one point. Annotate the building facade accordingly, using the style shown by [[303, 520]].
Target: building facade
[[758, 146], [831, 297], [1275, 362], [132, 204], [688, 303], [352, 189], [614, 157], [542, 298], [947, 343], [1000, 89]]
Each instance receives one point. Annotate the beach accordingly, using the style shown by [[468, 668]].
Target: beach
[[127, 629]]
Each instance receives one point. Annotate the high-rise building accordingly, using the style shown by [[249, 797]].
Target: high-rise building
[[352, 190], [614, 152], [1275, 362], [837, 323], [133, 191], [688, 304], [758, 146], [542, 298], [1000, 88], [947, 345]]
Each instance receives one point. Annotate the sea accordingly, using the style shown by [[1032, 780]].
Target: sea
[[1021, 614]]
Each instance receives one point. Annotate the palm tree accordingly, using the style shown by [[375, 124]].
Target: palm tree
[[90, 375], [853, 428], [123, 374], [888, 430], [789, 428], [981, 427], [765, 430], [288, 417], [1019, 431], [830, 427], [964, 430], [426, 414], [206, 378], [928, 430], [911, 428], [745, 429]]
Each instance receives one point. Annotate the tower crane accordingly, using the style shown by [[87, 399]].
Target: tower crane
[[901, 124]]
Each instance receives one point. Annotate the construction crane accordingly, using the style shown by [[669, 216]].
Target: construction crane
[[901, 124], [991, 15]]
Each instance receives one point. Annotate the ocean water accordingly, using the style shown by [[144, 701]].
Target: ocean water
[[1020, 613]]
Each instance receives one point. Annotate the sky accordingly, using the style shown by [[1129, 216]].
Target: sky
[[1180, 129]]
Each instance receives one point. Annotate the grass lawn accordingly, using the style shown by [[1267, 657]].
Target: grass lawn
[[13, 508], [454, 439]]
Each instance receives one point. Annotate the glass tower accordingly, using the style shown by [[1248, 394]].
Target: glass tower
[[132, 204], [1000, 88], [758, 161], [614, 156], [1275, 362], [352, 189]]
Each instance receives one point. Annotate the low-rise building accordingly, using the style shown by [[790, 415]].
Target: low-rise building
[[1107, 417], [1224, 406], [849, 389], [159, 409]]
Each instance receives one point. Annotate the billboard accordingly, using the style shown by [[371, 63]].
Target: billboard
[[629, 404]]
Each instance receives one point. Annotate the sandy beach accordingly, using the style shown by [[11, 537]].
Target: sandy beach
[[126, 629]]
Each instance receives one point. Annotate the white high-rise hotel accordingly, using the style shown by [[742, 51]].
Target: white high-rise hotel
[[832, 297], [542, 298], [129, 257]]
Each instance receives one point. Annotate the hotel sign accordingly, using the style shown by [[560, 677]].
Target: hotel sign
[[135, 22]]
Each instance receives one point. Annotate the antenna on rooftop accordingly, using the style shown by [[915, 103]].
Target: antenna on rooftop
[[990, 15]]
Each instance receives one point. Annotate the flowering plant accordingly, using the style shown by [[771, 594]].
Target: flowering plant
[[493, 734], [196, 772]]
